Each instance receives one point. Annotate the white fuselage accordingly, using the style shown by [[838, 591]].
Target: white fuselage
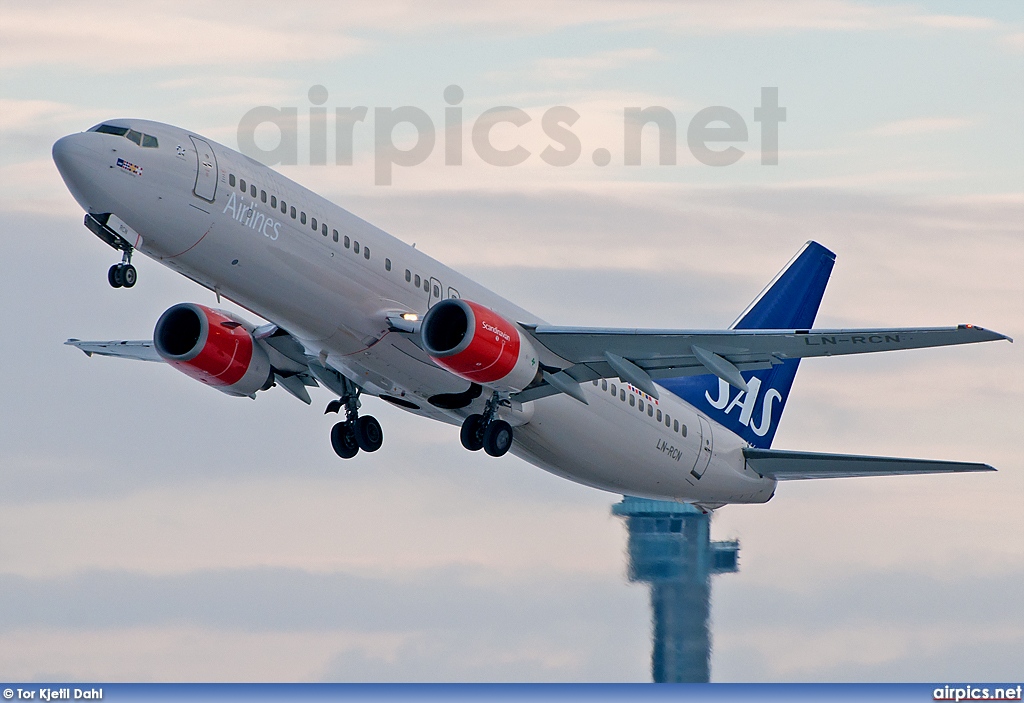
[[336, 302]]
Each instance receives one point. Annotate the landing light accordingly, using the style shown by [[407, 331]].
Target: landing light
[[410, 316]]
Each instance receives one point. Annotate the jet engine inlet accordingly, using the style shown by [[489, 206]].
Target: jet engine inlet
[[212, 347], [479, 345]]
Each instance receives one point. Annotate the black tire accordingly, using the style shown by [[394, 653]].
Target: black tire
[[369, 435], [472, 434], [114, 276], [498, 438], [343, 439], [128, 275]]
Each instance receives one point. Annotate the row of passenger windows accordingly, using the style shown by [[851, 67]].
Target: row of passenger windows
[[638, 403], [422, 282], [253, 192], [301, 217]]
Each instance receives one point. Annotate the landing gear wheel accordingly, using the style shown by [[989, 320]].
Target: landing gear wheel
[[343, 439], [128, 275], [498, 438], [368, 433], [472, 434], [114, 276]]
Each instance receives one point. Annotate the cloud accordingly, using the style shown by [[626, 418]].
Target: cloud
[[152, 528], [451, 623], [159, 34], [922, 125], [1013, 42], [576, 67], [232, 33], [890, 625]]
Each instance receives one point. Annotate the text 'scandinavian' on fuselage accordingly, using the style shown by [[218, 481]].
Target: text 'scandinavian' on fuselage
[[685, 415]]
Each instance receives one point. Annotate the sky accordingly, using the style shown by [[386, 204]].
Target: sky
[[152, 529]]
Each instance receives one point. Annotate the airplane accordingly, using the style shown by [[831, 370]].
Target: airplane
[[681, 415]]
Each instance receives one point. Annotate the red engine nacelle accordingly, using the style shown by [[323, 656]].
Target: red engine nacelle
[[479, 345], [213, 347]]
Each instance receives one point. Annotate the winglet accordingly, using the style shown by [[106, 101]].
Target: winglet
[[999, 335], [74, 343]]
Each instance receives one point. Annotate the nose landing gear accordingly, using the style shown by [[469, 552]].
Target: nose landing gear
[[355, 432], [486, 431], [123, 274]]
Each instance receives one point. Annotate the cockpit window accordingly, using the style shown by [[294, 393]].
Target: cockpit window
[[110, 129], [143, 140]]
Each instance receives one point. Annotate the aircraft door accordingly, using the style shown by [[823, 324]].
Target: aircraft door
[[436, 290], [707, 445], [452, 293], [206, 169]]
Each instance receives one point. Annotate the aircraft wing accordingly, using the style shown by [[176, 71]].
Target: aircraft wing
[[140, 350], [652, 354], [785, 465], [292, 371]]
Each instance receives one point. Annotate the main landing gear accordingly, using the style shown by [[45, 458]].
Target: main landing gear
[[123, 274], [355, 432], [486, 431]]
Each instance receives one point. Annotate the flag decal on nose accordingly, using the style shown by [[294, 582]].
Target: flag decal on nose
[[129, 167]]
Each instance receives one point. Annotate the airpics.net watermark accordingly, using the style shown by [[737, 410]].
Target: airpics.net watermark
[[711, 134]]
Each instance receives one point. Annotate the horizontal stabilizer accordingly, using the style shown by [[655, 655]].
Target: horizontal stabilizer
[[789, 466]]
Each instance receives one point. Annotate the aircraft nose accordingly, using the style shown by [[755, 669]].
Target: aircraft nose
[[76, 163], [70, 156]]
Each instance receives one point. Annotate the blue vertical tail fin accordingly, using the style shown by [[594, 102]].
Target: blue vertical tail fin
[[790, 301]]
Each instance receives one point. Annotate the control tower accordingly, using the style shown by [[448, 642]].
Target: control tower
[[670, 548]]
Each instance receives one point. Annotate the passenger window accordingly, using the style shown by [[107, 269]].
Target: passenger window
[[252, 190], [315, 228], [387, 264], [231, 180], [302, 217], [149, 142], [615, 391], [241, 185], [668, 421], [355, 247], [263, 196], [675, 425], [437, 292], [659, 416], [426, 285], [641, 406], [284, 207], [366, 253], [293, 212], [650, 410], [334, 232], [408, 275], [632, 399], [604, 385], [135, 136], [347, 241], [683, 428], [273, 201], [323, 230], [417, 282]]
